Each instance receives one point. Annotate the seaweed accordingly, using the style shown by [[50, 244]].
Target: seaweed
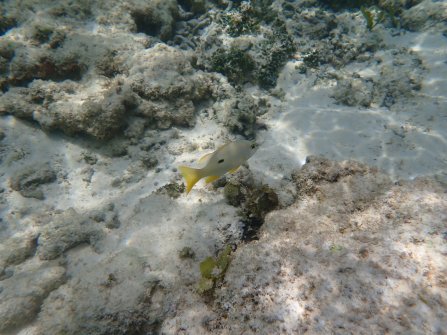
[[374, 11], [375, 15], [368, 17], [213, 270], [240, 22], [276, 50], [235, 63]]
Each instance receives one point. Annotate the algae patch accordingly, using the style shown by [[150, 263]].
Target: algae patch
[[213, 270]]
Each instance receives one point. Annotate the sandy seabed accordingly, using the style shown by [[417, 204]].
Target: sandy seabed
[[337, 225]]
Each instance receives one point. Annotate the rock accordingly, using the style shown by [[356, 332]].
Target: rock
[[233, 194], [166, 86], [255, 201], [186, 253], [65, 231], [319, 170], [16, 250], [156, 18], [28, 180], [101, 116], [354, 92], [111, 301], [238, 114], [148, 160], [323, 249], [107, 215], [425, 16], [23, 293], [388, 86]]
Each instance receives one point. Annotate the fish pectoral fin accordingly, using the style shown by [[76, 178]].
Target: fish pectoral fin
[[210, 179], [204, 158], [234, 170]]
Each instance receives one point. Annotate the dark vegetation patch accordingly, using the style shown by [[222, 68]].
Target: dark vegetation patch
[[374, 11], [236, 64], [146, 23], [172, 190], [194, 6], [254, 203], [258, 63], [357, 4], [47, 67], [6, 22]]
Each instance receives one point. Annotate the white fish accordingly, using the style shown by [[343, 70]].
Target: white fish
[[227, 158]]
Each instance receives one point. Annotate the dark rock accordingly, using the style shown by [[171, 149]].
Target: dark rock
[[24, 292], [233, 193], [319, 169], [28, 180], [65, 231]]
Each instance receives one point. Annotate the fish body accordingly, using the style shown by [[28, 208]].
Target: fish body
[[227, 158]]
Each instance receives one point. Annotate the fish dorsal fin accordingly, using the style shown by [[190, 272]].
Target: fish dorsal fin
[[204, 159], [210, 179], [234, 170]]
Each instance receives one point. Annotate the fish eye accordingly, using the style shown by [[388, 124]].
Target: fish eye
[[253, 145], [220, 161]]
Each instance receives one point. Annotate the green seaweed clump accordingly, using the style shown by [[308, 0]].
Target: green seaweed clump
[[275, 50], [213, 270], [240, 22], [374, 11], [375, 15], [173, 190], [236, 64], [254, 203]]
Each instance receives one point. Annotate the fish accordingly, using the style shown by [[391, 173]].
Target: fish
[[227, 158]]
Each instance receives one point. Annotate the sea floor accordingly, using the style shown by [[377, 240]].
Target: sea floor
[[337, 224]]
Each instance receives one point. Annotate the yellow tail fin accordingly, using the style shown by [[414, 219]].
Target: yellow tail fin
[[192, 176]]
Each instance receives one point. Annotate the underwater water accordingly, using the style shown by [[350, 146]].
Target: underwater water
[[310, 134]]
